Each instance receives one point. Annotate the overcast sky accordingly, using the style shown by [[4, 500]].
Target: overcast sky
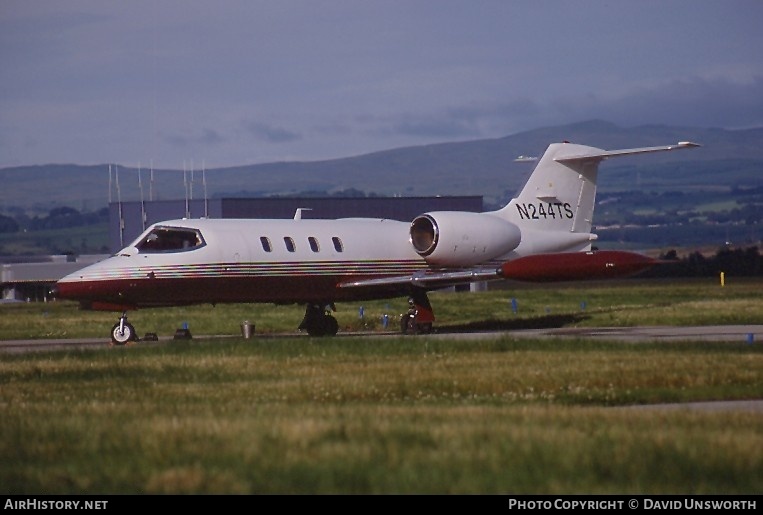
[[229, 82]]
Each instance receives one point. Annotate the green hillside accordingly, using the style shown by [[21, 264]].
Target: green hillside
[[483, 167]]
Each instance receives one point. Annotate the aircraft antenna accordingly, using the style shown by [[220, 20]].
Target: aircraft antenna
[[119, 205], [142, 202], [151, 183], [204, 184], [185, 186], [191, 185]]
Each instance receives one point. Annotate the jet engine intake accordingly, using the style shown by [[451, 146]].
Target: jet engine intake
[[450, 238]]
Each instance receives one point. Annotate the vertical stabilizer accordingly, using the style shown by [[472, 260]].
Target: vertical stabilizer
[[559, 195], [554, 210]]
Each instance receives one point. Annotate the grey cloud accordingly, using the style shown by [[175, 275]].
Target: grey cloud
[[270, 133], [692, 101], [435, 128], [469, 121], [211, 137], [207, 137], [696, 101]]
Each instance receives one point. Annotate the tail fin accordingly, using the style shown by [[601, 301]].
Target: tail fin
[[558, 198]]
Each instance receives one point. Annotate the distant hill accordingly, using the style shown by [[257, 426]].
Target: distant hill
[[727, 159]]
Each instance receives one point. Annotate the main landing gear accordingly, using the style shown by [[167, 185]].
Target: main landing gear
[[411, 322], [123, 332], [318, 321], [419, 317]]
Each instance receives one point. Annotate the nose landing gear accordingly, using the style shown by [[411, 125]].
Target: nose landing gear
[[123, 332]]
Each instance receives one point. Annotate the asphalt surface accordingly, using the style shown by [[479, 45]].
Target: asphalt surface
[[750, 334], [724, 333]]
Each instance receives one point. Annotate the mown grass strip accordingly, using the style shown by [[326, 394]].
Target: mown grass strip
[[367, 415]]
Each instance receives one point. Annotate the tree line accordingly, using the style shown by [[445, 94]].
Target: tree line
[[737, 262], [57, 218]]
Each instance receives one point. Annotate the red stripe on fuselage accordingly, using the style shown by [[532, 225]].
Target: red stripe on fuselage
[[226, 283]]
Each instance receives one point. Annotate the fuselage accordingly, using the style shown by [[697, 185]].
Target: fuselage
[[216, 261]]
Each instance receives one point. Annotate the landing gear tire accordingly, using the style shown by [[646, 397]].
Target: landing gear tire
[[424, 328], [122, 333], [408, 324], [326, 325], [318, 322], [330, 325]]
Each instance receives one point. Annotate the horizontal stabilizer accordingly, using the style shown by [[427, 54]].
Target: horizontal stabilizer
[[624, 152]]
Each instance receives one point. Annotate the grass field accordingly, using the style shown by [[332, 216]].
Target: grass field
[[413, 414], [622, 304]]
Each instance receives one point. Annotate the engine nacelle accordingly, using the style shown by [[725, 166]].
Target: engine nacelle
[[450, 238]]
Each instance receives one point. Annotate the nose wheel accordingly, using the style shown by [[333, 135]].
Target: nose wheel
[[123, 332]]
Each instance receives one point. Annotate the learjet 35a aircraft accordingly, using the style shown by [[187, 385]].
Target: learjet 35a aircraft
[[544, 234]]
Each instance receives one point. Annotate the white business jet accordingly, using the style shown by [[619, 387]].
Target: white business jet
[[544, 234]]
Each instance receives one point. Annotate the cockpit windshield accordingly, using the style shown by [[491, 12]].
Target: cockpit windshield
[[170, 239]]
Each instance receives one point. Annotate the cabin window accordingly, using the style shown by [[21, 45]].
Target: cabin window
[[289, 244], [170, 239], [266, 246], [313, 244], [337, 244]]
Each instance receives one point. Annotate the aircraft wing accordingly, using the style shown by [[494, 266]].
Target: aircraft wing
[[562, 266], [431, 279]]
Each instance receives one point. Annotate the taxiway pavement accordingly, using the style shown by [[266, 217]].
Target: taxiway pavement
[[750, 334]]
